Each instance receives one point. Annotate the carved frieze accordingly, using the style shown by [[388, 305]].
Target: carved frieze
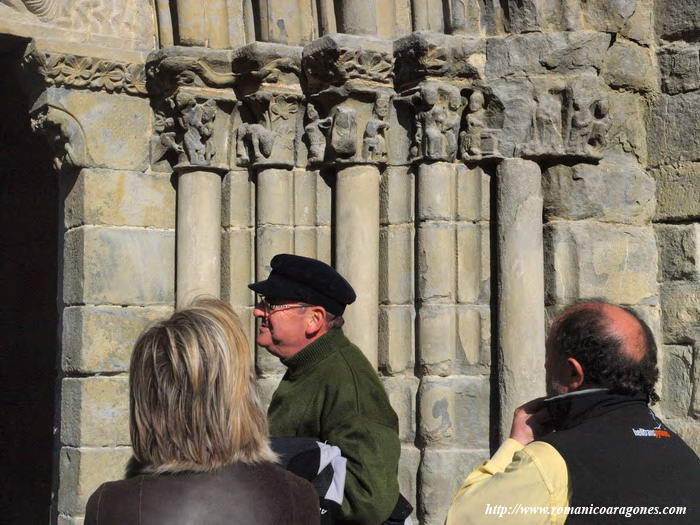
[[482, 125], [80, 72]]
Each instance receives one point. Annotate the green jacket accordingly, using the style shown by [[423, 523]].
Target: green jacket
[[332, 393]]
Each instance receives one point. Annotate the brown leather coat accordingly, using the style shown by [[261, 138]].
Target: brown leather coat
[[238, 494]]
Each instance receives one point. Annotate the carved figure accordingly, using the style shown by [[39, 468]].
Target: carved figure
[[316, 131], [374, 140], [476, 122], [601, 123], [258, 138], [581, 127], [196, 119], [344, 131]]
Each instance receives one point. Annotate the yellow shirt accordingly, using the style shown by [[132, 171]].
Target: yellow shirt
[[523, 485]]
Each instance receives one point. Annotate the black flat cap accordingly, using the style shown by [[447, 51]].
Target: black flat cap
[[308, 280]]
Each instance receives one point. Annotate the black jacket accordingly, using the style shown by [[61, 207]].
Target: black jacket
[[619, 454], [239, 494]]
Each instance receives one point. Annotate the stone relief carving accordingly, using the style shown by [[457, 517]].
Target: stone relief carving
[[374, 139], [196, 118], [44, 10], [343, 131], [567, 119], [65, 135], [316, 131], [437, 110], [268, 137], [346, 64], [483, 121]]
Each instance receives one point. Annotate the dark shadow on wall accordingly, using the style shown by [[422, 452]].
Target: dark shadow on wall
[[28, 309]]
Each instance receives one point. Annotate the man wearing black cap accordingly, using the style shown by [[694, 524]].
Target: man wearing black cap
[[330, 390]]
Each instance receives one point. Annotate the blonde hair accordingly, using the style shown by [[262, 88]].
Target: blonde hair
[[192, 393]]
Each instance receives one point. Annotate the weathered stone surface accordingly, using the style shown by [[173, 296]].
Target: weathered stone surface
[[678, 191], [120, 198], [628, 133], [119, 126], [454, 411], [680, 68], [630, 66], [688, 430], [640, 26], [442, 472], [472, 194], [95, 411], [520, 337], [118, 266], [680, 303], [674, 137], [70, 520], [541, 53], [436, 191], [100, 338], [473, 338], [408, 475], [266, 386], [592, 259], [436, 255], [679, 251], [237, 266], [436, 339], [396, 339], [677, 380], [606, 15], [608, 192], [402, 396], [274, 197], [396, 196], [468, 262], [269, 241], [237, 200], [396, 276], [676, 19], [82, 470], [304, 197]]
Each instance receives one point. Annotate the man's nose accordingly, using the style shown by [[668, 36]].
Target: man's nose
[[258, 311]]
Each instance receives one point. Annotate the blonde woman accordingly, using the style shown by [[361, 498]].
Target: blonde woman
[[201, 452]]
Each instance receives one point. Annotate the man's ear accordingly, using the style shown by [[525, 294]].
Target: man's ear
[[316, 321], [576, 375]]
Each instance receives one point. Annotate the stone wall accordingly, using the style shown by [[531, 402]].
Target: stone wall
[[470, 166]]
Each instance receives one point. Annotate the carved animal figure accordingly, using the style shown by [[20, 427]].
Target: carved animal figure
[[255, 138]]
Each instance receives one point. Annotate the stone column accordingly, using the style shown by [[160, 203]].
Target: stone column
[[351, 104], [194, 102], [266, 143], [521, 323], [452, 312]]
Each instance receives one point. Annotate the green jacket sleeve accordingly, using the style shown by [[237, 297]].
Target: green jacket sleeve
[[371, 487]]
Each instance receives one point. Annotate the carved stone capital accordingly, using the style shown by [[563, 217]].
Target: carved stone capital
[[337, 59], [272, 98], [174, 67], [194, 102], [425, 55]]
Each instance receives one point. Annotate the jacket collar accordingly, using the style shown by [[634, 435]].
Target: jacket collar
[[569, 410], [315, 352]]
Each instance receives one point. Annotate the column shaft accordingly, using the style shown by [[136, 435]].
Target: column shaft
[[357, 251], [217, 24], [357, 17], [198, 235], [191, 22], [521, 321]]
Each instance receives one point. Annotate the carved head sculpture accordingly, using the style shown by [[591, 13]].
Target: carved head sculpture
[[476, 101], [65, 135], [381, 106], [312, 112]]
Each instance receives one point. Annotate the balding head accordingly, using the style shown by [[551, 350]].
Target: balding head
[[613, 346]]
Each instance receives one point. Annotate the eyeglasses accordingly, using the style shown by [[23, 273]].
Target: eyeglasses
[[271, 308]]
